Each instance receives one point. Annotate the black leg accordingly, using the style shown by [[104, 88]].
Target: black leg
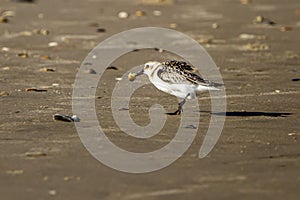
[[180, 105]]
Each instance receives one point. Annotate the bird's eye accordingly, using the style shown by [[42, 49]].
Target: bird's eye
[[147, 66]]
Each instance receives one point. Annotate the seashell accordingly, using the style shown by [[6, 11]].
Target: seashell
[[101, 30], [286, 28], [123, 15], [46, 69], [91, 71], [3, 94], [23, 55], [52, 44], [215, 26], [65, 118], [112, 67], [262, 20], [131, 76], [157, 13], [35, 154], [35, 90], [3, 19], [52, 192], [45, 57], [140, 13], [173, 25]]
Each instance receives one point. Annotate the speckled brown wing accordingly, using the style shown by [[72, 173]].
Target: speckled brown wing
[[180, 72]]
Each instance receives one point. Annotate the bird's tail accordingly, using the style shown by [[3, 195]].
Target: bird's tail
[[210, 86]]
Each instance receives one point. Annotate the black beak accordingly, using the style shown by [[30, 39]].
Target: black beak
[[140, 72]]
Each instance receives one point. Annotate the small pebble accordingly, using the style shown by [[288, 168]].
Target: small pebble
[[263, 20], [52, 192], [8, 13], [3, 19], [26, 33], [277, 91], [4, 94], [112, 67], [140, 13], [259, 19], [246, 36], [15, 172], [215, 26], [67, 178], [41, 15], [93, 24], [23, 55], [35, 90], [6, 49], [256, 47], [245, 2], [286, 28], [46, 69], [157, 13], [173, 25], [101, 30], [123, 15], [87, 63], [205, 40], [45, 57], [35, 154], [91, 71], [118, 79], [52, 44], [41, 31], [292, 55], [191, 126], [6, 68]]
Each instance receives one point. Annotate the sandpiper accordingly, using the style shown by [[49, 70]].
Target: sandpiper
[[177, 78]]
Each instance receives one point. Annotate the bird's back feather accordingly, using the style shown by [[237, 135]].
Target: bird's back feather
[[180, 72]]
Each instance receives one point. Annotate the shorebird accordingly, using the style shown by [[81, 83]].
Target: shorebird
[[177, 78]]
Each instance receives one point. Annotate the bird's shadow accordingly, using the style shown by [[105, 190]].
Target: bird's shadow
[[172, 113], [252, 114], [244, 113]]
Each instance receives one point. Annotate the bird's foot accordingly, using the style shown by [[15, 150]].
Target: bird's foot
[[178, 112], [180, 105]]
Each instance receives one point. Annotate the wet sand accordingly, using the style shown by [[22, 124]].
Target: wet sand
[[257, 156]]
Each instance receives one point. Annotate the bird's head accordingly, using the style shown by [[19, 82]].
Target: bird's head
[[147, 69], [150, 66]]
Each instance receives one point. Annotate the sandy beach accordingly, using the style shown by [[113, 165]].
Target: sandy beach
[[255, 45]]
